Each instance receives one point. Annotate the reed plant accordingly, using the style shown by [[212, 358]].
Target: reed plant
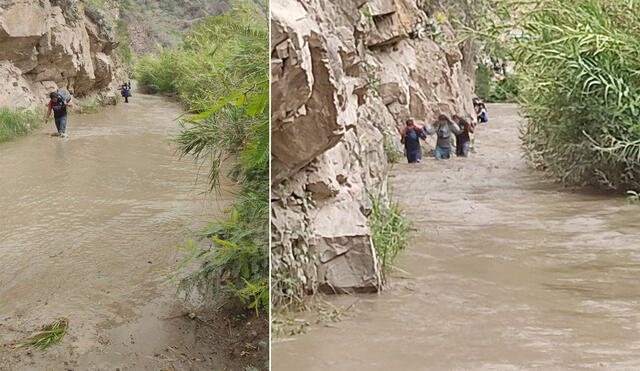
[[221, 75], [578, 64]]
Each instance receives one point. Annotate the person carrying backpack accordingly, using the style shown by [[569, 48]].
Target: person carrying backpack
[[125, 91], [410, 137], [443, 128], [58, 103]]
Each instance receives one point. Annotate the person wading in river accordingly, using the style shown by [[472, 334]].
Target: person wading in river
[[463, 140], [443, 129], [125, 91], [58, 105], [410, 137]]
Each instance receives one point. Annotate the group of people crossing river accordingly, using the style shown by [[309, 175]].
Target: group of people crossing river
[[460, 126]]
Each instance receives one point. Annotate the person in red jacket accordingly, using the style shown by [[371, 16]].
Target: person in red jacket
[[410, 137], [58, 106]]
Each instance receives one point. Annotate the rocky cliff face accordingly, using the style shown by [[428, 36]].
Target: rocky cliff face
[[344, 75], [163, 22], [49, 44]]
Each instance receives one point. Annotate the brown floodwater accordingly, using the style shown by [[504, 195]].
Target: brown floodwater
[[506, 270], [88, 229]]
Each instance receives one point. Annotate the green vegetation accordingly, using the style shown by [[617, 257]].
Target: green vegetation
[[50, 334], [491, 90], [374, 83], [364, 9], [577, 64], [88, 105], [390, 230], [220, 73], [484, 80], [504, 91], [16, 121], [393, 155], [124, 48], [164, 22]]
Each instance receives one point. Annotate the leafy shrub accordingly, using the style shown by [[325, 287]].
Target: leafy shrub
[[389, 229], [484, 77], [578, 64], [504, 91], [16, 122], [491, 90], [221, 75]]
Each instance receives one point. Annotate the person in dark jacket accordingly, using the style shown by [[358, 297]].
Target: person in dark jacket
[[58, 106], [410, 137], [463, 140]]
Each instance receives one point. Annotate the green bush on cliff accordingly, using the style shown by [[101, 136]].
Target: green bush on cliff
[[220, 73], [578, 63], [15, 122]]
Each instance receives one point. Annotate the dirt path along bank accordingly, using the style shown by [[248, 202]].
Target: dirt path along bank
[[506, 271]]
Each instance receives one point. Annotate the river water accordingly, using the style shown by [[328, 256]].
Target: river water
[[88, 226], [505, 271]]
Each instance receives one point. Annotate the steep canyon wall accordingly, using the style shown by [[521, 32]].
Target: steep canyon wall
[[344, 75], [49, 44]]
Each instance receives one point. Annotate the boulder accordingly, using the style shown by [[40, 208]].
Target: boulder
[[347, 260]]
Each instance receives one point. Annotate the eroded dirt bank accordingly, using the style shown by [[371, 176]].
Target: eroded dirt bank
[[88, 228], [505, 271]]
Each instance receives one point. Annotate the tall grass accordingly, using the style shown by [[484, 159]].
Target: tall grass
[[16, 121], [220, 73], [389, 229], [578, 63]]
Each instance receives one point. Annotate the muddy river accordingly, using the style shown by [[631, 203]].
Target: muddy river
[[88, 226], [505, 271]]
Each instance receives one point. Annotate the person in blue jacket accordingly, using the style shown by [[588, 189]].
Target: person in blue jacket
[[125, 91], [410, 137]]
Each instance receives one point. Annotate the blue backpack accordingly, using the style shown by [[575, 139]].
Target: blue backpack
[[63, 95], [412, 134], [484, 117]]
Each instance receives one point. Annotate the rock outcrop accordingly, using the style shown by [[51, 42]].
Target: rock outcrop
[[49, 44], [344, 74]]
